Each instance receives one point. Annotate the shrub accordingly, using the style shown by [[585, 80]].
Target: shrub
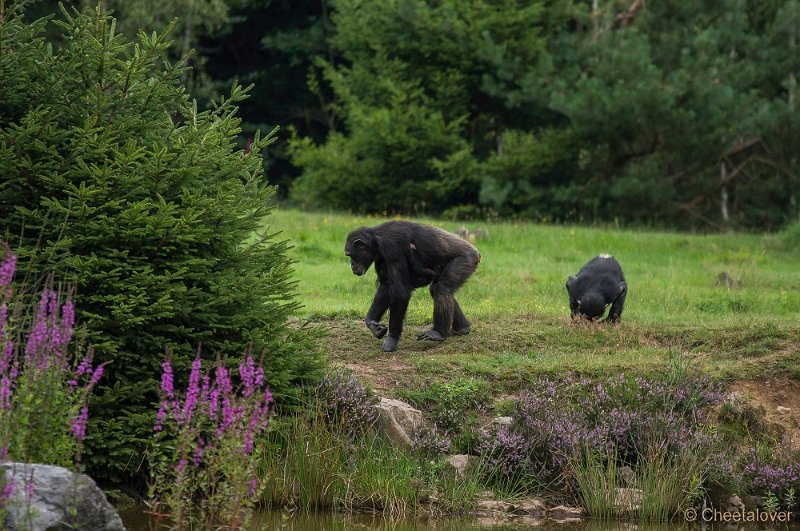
[[346, 404], [113, 179], [556, 423]]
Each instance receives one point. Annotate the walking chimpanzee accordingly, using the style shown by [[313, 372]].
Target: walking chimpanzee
[[408, 256], [599, 283]]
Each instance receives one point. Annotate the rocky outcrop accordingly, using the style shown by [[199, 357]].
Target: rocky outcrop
[[398, 421], [48, 497]]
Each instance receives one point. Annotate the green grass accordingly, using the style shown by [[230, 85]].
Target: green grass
[[517, 303]]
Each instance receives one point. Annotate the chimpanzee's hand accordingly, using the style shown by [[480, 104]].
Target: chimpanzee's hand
[[389, 344], [378, 330], [431, 335]]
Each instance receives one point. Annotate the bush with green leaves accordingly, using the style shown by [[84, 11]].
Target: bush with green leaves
[[112, 178]]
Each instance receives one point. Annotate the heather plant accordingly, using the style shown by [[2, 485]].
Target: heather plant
[[773, 471], [555, 423], [431, 441], [346, 404], [202, 461], [44, 384]]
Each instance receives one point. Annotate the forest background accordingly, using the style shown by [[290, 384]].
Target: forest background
[[670, 114]]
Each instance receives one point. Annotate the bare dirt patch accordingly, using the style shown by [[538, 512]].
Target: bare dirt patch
[[780, 398]]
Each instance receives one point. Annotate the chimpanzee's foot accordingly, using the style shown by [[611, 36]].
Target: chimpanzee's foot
[[389, 344], [431, 335], [378, 330], [462, 331]]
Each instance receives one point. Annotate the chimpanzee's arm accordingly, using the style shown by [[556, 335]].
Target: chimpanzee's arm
[[615, 313], [380, 303], [573, 302]]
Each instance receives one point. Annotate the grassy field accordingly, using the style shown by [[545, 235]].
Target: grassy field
[[677, 311]]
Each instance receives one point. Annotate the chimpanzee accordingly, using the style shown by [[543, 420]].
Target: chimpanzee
[[598, 284], [408, 256]]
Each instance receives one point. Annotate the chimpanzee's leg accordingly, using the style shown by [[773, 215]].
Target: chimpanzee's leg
[[615, 314], [452, 277], [460, 324], [380, 303], [397, 314]]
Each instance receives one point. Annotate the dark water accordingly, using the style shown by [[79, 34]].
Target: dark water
[[135, 520]]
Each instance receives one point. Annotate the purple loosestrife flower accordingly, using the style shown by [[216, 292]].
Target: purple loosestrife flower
[[167, 381], [160, 416], [96, 375], [7, 354], [8, 491], [84, 367], [181, 466], [7, 268], [30, 489], [78, 429], [193, 392], [5, 393], [252, 486], [247, 372], [198, 454]]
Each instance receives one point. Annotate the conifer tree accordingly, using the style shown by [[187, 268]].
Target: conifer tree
[[114, 180]]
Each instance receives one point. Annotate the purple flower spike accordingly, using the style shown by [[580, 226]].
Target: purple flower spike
[[7, 269], [78, 429], [167, 379]]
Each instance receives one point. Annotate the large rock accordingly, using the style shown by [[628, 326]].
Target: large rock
[[563, 512], [59, 499], [532, 507], [398, 420], [459, 464], [628, 500], [733, 504], [494, 507]]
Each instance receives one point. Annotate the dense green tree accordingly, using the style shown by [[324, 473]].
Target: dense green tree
[[679, 107], [113, 179], [426, 91]]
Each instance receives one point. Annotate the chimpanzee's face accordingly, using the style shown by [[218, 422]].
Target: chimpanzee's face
[[359, 252], [591, 306]]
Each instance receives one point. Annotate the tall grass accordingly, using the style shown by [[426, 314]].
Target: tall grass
[[658, 490], [596, 477]]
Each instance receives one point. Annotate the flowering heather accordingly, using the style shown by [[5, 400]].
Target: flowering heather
[[214, 426], [431, 441], [346, 403], [556, 422], [776, 473]]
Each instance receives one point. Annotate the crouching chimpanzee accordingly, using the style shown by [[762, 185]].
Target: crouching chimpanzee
[[598, 284], [408, 256]]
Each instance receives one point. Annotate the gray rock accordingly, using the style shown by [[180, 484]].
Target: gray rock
[[626, 473], [398, 421], [502, 421], [561, 512], [628, 500], [459, 463], [60, 499], [733, 504], [494, 506], [532, 506]]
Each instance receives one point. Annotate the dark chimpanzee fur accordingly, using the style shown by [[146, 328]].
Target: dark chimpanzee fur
[[598, 284], [408, 256]]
